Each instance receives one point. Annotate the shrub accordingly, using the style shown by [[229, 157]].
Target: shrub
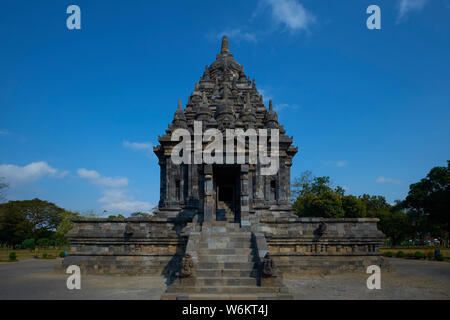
[[400, 254], [44, 255], [440, 257], [28, 244], [62, 254], [430, 255], [389, 254], [419, 255], [43, 242], [12, 256], [410, 255]]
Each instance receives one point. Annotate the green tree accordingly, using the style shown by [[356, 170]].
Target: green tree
[[64, 226], [20, 220], [119, 216], [14, 226], [375, 205], [44, 243], [315, 197], [28, 244], [353, 207], [140, 215], [395, 225], [430, 199]]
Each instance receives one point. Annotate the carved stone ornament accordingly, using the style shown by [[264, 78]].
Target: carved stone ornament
[[268, 269], [187, 266]]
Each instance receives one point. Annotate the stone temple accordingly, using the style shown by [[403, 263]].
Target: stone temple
[[224, 230]]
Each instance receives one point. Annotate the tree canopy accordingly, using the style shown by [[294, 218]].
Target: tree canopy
[[316, 197], [20, 220], [429, 202], [424, 212]]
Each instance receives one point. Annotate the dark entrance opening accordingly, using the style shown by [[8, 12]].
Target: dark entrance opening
[[226, 183]]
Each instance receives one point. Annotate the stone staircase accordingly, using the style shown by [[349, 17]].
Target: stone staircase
[[226, 267], [224, 211]]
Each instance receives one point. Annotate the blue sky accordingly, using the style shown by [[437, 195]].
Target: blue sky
[[81, 109]]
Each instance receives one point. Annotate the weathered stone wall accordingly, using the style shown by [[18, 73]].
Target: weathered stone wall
[[157, 245], [130, 246], [305, 245]]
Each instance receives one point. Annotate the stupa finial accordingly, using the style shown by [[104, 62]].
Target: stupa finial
[[180, 105], [270, 105], [225, 49]]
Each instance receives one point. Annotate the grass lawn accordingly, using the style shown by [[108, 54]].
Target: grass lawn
[[29, 254], [444, 251]]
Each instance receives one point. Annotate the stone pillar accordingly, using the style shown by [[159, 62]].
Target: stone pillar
[[209, 204], [245, 219], [168, 169], [259, 186]]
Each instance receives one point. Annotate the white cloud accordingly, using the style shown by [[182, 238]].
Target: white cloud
[[145, 147], [15, 175], [238, 35], [116, 200], [290, 13], [388, 180], [96, 178], [283, 106], [138, 145], [339, 164], [4, 132], [407, 6], [267, 96], [89, 174]]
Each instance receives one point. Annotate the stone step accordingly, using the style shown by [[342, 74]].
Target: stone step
[[221, 223], [224, 231], [225, 258], [225, 238], [224, 281], [227, 289], [226, 265], [256, 296], [224, 272], [233, 251], [225, 245]]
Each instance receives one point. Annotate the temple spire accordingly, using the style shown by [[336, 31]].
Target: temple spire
[[225, 49]]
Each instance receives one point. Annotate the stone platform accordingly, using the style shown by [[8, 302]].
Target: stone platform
[[227, 259]]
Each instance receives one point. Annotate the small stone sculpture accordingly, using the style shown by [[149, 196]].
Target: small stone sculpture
[[268, 269], [322, 228], [187, 266]]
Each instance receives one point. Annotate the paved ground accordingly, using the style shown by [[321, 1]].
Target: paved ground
[[412, 279], [36, 279]]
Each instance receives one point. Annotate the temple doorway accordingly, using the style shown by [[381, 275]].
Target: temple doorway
[[227, 187]]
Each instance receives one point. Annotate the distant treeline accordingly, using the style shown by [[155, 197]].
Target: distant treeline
[[424, 213]]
